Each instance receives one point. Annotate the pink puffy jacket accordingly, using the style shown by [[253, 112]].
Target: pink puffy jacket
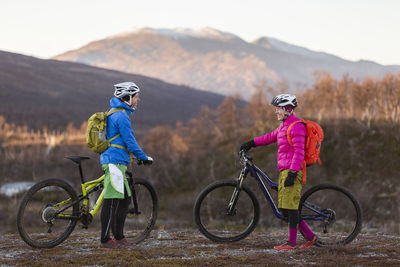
[[289, 157]]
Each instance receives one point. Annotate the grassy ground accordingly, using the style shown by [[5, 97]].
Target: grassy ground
[[189, 248]]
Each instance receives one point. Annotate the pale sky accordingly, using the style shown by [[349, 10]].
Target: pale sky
[[351, 29]]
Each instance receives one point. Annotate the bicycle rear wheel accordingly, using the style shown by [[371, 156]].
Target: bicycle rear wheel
[[142, 212], [333, 214], [44, 218], [211, 212]]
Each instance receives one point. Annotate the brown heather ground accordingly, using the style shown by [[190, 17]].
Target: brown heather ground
[[189, 248]]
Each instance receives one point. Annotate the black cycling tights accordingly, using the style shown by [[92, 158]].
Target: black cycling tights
[[113, 215], [292, 216]]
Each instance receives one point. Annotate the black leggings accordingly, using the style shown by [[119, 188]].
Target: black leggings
[[292, 216], [113, 215]]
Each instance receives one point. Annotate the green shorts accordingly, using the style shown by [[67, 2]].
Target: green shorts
[[289, 197], [110, 188]]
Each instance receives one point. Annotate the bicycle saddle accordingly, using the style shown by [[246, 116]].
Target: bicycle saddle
[[77, 159]]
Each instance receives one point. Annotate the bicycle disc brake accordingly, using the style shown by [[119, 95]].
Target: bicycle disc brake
[[230, 211]]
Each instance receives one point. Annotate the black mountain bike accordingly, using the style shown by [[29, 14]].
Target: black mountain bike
[[50, 209], [228, 210]]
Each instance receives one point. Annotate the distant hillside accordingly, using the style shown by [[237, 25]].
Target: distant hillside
[[53, 93], [216, 61]]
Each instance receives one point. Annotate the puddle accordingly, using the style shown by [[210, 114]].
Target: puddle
[[12, 189]]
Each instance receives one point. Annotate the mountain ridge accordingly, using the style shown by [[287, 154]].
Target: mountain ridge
[[51, 93], [217, 61]]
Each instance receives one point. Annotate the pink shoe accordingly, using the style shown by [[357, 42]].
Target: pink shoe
[[287, 246], [309, 243]]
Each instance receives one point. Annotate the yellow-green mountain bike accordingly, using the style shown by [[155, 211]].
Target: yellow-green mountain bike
[[50, 209]]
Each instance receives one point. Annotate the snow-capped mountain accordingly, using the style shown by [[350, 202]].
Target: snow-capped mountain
[[216, 61], [272, 43], [181, 33]]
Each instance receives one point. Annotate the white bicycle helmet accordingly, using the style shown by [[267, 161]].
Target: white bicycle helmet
[[126, 88], [284, 100]]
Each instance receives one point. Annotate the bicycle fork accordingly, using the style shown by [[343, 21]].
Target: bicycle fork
[[231, 210], [135, 209]]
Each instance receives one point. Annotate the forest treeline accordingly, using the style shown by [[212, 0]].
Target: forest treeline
[[369, 100], [360, 151]]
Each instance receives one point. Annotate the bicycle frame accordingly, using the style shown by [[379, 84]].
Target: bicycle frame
[[262, 180], [89, 187], [95, 185]]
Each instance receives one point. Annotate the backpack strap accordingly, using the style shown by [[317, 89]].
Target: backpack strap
[[115, 110], [288, 131], [112, 138]]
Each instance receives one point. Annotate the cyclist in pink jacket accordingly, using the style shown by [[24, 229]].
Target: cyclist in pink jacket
[[290, 159]]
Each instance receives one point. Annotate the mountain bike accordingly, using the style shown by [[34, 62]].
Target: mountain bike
[[228, 210], [50, 209]]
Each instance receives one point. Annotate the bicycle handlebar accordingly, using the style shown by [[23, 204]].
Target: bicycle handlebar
[[144, 162], [246, 159]]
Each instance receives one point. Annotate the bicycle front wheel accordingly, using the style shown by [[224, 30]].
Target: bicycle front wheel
[[142, 212], [217, 221], [45, 215], [333, 214]]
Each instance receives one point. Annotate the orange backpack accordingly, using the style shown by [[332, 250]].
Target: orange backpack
[[314, 137]]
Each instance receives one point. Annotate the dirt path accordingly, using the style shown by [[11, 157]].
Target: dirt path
[[189, 248]]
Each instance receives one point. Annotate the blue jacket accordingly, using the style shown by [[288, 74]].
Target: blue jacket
[[120, 123]]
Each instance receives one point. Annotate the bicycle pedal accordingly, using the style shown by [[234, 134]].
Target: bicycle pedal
[[83, 226], [133, 211]]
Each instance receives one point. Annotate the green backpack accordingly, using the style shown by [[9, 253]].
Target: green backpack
[[96, 136]]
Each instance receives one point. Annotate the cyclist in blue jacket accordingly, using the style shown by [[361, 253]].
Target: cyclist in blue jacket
[[114, 162]]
